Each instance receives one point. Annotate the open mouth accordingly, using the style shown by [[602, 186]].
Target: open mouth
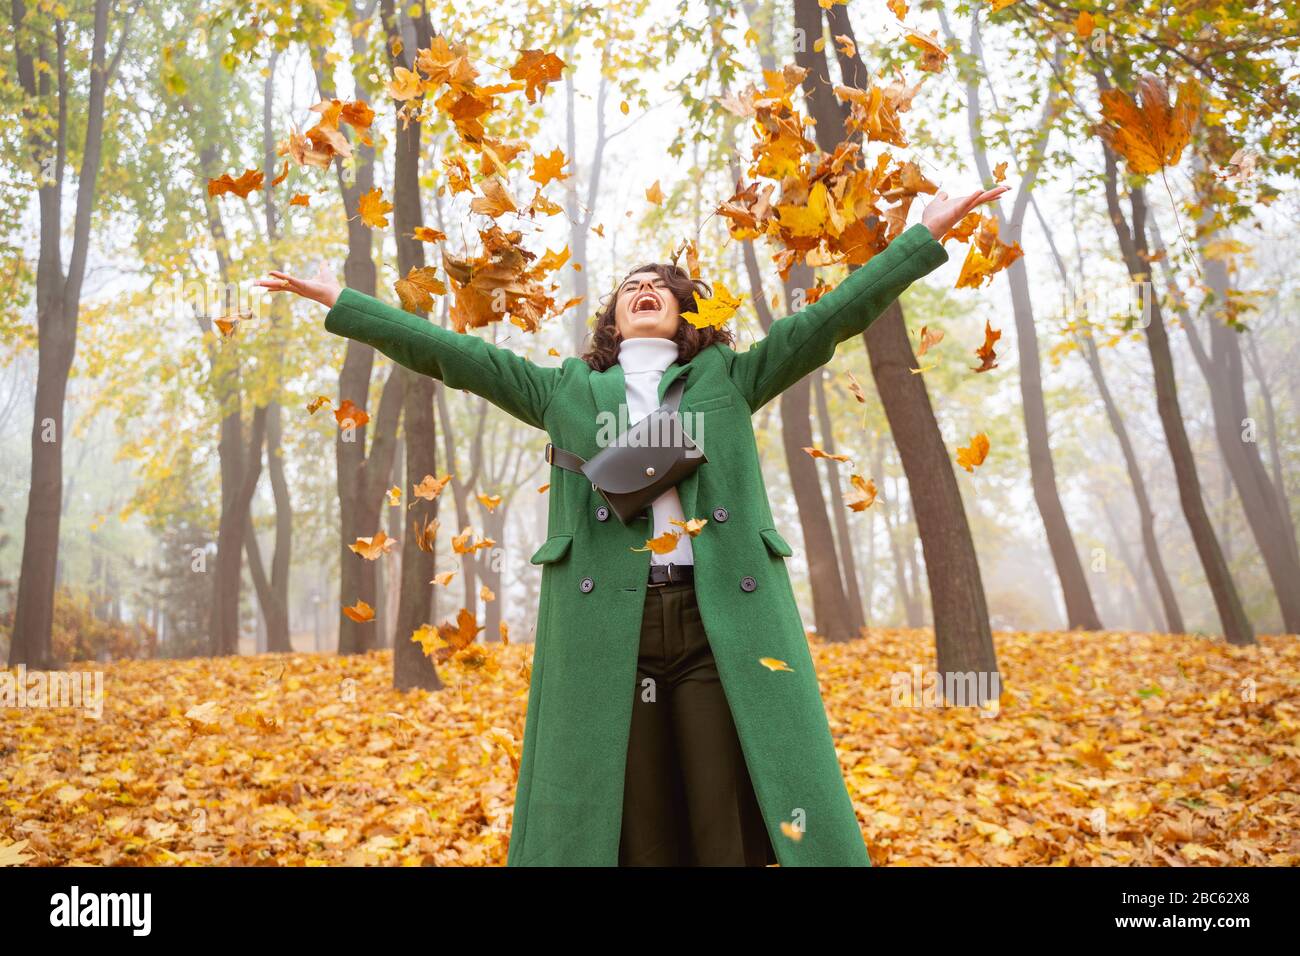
[[646, 302]]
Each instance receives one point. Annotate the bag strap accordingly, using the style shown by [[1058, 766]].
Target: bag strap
[[571, 462]]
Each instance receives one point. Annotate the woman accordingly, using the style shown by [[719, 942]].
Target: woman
[[659, 729]]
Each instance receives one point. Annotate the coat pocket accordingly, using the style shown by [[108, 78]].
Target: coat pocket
[[775, 543], [710, 404], [556, 546]]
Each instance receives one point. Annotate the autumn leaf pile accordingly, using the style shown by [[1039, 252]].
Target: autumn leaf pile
[[314, 760]]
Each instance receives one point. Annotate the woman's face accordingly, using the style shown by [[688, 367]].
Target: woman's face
[[645, 307]]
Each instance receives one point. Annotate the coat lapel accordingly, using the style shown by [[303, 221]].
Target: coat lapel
[[609, 391]]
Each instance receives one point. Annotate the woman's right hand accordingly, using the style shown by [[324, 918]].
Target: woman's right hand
[[323, 287]]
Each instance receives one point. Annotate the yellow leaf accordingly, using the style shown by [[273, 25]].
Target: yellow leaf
[[973, 456], [373, 209], [716, 310]]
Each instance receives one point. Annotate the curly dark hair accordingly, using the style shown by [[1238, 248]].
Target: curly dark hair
[[605, 338]]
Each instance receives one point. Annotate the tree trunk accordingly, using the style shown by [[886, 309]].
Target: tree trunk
[[1133, 246], [835, 494], [1080, 612], [834, 619], [362, 478], [1226, 380], [411, 667], [1173, 618], [274, 598], [961, 621], [243, 472], [58, 305]]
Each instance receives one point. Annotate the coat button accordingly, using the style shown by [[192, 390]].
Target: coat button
[[747, 583], [602, 513], [720, 514], [586, 585]]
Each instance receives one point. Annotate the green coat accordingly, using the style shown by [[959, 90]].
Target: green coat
[[569, 798]]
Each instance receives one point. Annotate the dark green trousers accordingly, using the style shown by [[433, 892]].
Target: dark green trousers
[[687, 798]]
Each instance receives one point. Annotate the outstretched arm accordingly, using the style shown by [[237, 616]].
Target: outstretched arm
[[800, 343], [460, 360]]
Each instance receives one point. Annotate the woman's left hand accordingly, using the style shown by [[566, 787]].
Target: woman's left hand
[[944, 213]]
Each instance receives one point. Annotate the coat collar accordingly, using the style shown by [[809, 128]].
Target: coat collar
[[609, 390]]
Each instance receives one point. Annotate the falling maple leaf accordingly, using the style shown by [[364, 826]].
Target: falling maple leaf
[[986, 355], [856, 390], [284, 172], [1241, 167], [549, 168], [538, 69], [692, 526], [933, 54], [249, 180], [495, 201], [405, 84], [986, 255], [417, 290], [373, 547], [816, 452], [655, 194], [228, 323], [394, 496], [302, 199], [424, 533], [1000, 172], [316, 403], [929, 339], [665, 543], [460, 544], [361, 612], [863, 495], [485, 593], [431, 487], [348, 415], [1084, 24], [490, 502], [716, 310], [357, 114], [373, 209], [973, 455], [1146, 129], [428, 234]]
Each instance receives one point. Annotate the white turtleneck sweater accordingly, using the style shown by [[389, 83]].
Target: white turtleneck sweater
[[644, 361]]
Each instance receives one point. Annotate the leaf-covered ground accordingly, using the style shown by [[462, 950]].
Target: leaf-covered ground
[[1109, 749]]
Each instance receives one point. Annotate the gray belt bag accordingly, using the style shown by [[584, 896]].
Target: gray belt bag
[[645, 461]]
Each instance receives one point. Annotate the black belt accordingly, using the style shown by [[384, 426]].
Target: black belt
[[661, 574]]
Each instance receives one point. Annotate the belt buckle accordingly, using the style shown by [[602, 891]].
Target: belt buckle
[[659, 584], [550, 453]]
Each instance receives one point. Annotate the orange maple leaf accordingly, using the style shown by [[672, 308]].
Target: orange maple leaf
[[373, 209], [1146, 129]]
